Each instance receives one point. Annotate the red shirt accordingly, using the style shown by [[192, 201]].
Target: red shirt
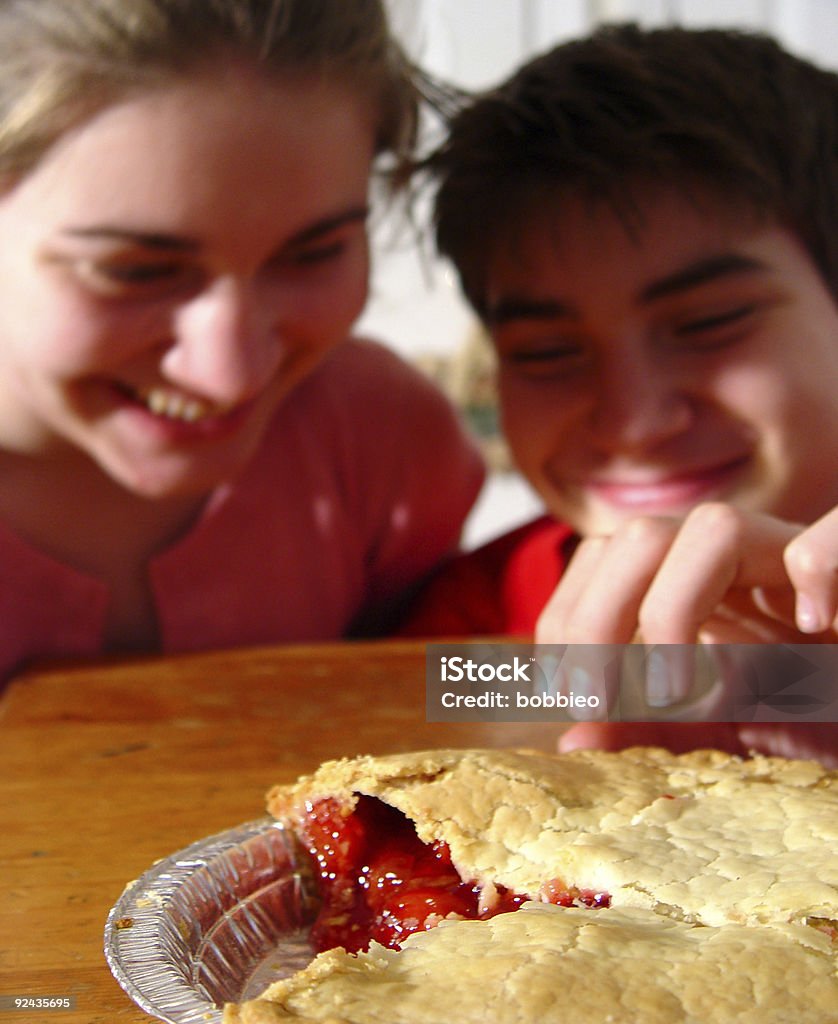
[[498, 589]]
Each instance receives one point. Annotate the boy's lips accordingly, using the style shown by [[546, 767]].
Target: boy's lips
[[659, 492]]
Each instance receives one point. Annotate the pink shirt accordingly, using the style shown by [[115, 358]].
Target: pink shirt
[[359, 488]]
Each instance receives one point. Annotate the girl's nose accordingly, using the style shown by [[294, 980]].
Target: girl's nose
[[226, 346]]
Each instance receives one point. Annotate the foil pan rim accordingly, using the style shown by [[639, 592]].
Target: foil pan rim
[[179, 934]]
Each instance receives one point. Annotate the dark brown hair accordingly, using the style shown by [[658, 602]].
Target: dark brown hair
[[727, 113]]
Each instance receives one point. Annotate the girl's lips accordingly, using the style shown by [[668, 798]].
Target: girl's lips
[[179, 419], [177, 406], [667, 493]]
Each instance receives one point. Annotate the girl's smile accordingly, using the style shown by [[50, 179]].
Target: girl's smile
[[174, 267]]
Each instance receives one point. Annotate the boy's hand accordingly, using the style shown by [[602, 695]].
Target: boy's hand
[[720, 575]]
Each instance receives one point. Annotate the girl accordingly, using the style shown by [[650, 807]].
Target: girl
[[193, 453]]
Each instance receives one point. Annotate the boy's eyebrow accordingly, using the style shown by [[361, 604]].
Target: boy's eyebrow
[[700, 272], [160, 241], [515, 307]]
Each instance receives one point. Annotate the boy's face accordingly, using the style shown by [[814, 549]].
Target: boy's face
[[693, 360]]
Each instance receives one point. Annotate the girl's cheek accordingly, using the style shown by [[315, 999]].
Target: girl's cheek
[[330, 305], [73, 345]]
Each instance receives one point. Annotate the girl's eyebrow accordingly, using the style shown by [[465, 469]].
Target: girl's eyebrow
[[354, 215], [142, 239], [176, 243]]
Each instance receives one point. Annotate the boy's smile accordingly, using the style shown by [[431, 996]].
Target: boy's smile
[[691, 358], [632, 490]]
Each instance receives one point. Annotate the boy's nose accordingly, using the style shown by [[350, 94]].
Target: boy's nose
[[226, 346], [636, 406]]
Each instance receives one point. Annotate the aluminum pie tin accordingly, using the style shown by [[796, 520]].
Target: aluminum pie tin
[[213, 923]]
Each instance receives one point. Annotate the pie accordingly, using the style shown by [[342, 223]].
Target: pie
[[590, 887]]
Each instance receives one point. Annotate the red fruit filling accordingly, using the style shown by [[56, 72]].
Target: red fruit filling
[[826, 926], [379, 881]]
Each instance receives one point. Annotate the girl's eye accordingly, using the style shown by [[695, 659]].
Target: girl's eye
[[126, 278], [322, 253], [312, 255]]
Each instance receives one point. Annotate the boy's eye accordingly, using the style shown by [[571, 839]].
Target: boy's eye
[[542, 359], [716, 328]]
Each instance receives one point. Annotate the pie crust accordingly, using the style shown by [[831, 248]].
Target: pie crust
[[722, 874]]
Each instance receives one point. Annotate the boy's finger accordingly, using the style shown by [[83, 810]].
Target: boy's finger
[[552, 621], [718, 549], [607, 587], [811, 560]]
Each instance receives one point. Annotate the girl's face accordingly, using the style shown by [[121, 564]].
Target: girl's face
[[693, 360], [174, 267]]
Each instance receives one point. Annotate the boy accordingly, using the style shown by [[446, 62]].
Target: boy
[[647, 224]]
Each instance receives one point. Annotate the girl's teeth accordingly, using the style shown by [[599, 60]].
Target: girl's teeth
[[174, 406]]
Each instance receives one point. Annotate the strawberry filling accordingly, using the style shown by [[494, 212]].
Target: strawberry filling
[[826, 926], [379, 881]]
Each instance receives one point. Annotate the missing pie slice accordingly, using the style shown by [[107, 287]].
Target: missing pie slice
[[637, 887]]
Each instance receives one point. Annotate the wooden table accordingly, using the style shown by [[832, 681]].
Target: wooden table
[[106, 768]]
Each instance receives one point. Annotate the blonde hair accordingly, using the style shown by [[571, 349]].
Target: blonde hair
[[63, 60]]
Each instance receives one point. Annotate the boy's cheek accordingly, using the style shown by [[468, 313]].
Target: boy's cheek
[[537, 424]]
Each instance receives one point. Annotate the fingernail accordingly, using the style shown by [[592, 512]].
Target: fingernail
[[659, 690], [548, 666], [583, 685], [807, 616]]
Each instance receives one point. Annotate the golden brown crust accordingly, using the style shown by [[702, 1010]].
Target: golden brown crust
[[548, 964], [705, 836], [714, 865]]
